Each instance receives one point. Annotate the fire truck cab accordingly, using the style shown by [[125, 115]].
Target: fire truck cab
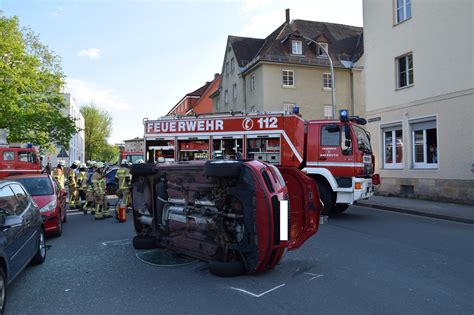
[[18, 161], [335, 153]]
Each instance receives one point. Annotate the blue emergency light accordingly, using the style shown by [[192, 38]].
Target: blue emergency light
[[343, 115], [296, 110]]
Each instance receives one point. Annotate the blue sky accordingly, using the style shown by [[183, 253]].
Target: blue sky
[[137, 58]]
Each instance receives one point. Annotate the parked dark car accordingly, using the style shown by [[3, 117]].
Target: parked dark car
[[240, 216], [110, 184], [21, 234], [49, 197]]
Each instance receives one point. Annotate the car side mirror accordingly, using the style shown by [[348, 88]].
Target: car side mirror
[[12, 221]]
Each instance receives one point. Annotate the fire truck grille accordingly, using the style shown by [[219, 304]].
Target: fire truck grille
[[276, 220]]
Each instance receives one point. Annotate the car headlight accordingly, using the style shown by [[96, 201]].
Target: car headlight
[[50, 206]]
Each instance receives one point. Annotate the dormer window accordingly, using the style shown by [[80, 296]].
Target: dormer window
[[320, 52], [296, 47]]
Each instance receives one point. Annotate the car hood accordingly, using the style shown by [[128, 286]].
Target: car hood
[[42, 201]]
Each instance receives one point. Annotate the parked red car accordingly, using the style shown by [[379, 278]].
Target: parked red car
[[226, 212], [49, 197]]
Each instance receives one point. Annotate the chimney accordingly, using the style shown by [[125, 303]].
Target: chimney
[[216, 75], [287, 11]]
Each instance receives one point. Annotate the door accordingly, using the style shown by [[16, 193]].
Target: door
[[305, 206], [13, 230]]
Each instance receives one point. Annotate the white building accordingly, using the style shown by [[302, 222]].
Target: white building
[[76, 150], [419, 79]]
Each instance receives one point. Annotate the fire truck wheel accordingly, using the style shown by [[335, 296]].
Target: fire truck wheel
[[327, 197], [226, 269], [143, 169], [223, 168], [340, 207], [140, 242]]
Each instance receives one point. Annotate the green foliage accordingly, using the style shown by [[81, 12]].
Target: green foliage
[[98, 126], [31, 78]]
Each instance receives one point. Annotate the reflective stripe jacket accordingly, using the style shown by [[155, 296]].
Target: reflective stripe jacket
[[58, 174], [124, 178], [98, 182], [72, 178], [82, 180]]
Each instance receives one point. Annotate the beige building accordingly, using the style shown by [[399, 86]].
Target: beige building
[[286, 69], [419, 79]]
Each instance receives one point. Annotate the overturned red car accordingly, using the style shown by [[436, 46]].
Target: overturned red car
[[239, 216]]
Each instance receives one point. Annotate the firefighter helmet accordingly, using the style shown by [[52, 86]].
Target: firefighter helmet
[[139, 161], [100, 165]]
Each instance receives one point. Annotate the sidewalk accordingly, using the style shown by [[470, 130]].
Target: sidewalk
[[434, 209]]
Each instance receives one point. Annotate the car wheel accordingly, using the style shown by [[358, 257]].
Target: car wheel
[[141, 242], [327, 197], [59, 232], [41, 252], [339, 208], [223, 168], [227, 269], [143, 169], [3, 290]]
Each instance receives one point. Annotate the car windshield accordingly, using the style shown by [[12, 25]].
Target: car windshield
[[37, 186], [363, 142]]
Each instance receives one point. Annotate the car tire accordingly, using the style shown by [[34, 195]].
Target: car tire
[[327, 196], [141, 242], [40, 256], [233, 268], [59, 232], [142, 169], [3, 290], [339, 208], [223, 168]]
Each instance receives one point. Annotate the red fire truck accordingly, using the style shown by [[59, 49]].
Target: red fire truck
[[336, 153], [18, 161]]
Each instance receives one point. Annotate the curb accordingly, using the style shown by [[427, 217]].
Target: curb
[[418, 213]]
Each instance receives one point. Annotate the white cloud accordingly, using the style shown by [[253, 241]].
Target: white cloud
[[85, 92], [92, 53]]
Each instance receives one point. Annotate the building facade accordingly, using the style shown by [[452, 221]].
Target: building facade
[[76, 149], [419, 80], [198, 101], [288, 69]]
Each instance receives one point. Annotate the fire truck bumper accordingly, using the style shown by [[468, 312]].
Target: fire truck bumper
[[363, 188]]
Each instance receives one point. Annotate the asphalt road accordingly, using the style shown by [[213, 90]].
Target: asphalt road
[[365, 261]]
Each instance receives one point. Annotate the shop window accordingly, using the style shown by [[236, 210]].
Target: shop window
[[393, 147], [424, 144]]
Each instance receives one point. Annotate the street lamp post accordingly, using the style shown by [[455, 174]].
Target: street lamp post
[[333, 86]]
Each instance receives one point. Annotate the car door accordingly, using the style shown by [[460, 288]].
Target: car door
[[13, 231], [305, 206], [26, 210]]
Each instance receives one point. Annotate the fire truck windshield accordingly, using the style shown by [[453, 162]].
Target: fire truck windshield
[[363, 141]]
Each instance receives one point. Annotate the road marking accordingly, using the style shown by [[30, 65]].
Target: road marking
[[314, 275], [117, 241], [258, 295]]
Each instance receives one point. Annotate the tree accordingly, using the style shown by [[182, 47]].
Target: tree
[[31, 80], [98, 126]]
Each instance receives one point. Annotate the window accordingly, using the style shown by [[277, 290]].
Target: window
[[327, 81], [8, 156], [403, 8], [232, 65], [393, 147], [22, 199], [424, 144], [328, 111], [7, 201], [330, 135], [25, 156], [320, 52], [288, 78], [252, 82], [226, 97], [234, 91], [227, 68], [296, 47], [405, 71]]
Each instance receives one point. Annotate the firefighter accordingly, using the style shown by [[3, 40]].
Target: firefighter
[[90, 200], [98, 183], [58, 174], [72, 184], [82, 185], [123, 178]]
